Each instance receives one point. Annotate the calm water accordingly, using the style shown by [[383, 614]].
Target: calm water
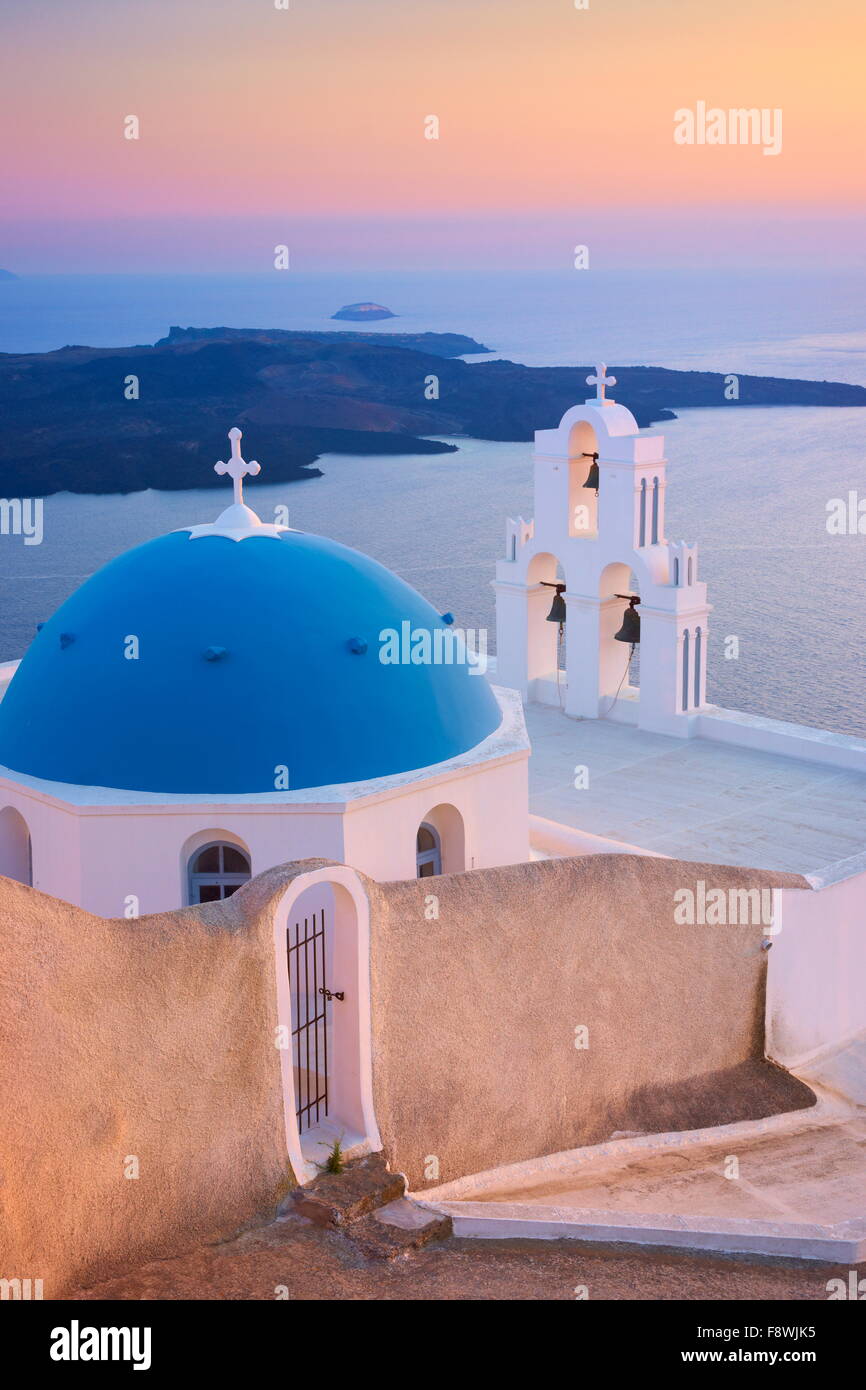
[[751, 485], [807, 324]]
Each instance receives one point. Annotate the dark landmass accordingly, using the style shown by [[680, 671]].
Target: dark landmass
[[67, 424], [437, 344], [363, 312], [7, 275]]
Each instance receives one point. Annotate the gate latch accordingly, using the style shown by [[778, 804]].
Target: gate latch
[[336, 995]]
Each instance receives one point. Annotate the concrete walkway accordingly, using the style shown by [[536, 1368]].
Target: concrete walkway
[[694, 799], [798, 1190], [815, 1176]]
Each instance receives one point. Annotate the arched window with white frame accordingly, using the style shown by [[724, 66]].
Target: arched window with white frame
[[216, 871], [428, 851]]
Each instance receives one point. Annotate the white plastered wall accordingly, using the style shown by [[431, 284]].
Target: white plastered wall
[[816, 979]]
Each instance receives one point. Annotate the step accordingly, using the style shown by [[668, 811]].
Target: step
[[337, 1199], [398, 1229]]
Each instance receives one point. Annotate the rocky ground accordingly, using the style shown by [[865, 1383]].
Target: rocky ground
[[296, 1260]]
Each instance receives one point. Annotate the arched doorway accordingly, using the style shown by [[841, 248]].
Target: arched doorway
[[440, 846], [583, 498], [546, 639], [618, 664], [322, 943], [16, 852]]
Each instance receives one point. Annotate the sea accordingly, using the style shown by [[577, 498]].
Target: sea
[[752, 485]]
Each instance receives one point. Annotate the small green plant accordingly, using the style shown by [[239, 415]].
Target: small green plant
[[336, 1160]]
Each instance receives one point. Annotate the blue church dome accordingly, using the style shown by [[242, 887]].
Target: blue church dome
[[203, 663]]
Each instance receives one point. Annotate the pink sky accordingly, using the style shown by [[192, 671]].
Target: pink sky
[[307, 126]]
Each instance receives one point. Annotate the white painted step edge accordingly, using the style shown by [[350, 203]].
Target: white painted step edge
[[841, 1244]]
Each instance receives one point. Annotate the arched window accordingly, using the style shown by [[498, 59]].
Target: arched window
[[642, 538], [685, 670], [16, 851], [428, 851], [697, 668], [655, 511], [676, 571], [217, 871]]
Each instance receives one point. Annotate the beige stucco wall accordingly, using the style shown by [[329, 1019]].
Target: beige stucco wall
[[474, 1014], [151, 1038], [155, 1038]]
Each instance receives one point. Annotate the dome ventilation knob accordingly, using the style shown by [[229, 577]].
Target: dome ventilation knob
[[215, 653]]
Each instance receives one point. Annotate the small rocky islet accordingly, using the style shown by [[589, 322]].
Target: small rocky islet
[[364, 312]]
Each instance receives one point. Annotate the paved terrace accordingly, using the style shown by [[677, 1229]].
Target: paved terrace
[[694, 799], [814, 1175]]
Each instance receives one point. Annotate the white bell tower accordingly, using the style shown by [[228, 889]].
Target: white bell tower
[[593, 543]]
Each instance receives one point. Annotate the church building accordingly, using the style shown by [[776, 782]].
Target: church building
[[443, 952], [231, 696]]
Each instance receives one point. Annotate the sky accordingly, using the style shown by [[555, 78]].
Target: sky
[[306, 126]]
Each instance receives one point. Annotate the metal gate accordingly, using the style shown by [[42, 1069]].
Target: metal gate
[[305, 945]]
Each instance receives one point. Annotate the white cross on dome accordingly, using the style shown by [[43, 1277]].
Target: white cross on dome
[[237, 467], [237, 522]]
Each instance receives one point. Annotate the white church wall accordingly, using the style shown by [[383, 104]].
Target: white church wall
[[118, 853], [54, 841], [492, 804], [135, 862], [816, 980]]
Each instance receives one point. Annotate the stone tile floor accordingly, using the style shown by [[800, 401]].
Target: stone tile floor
[[694, 799]]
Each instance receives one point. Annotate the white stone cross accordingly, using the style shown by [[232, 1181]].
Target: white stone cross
[[600, 381], [237, 467]]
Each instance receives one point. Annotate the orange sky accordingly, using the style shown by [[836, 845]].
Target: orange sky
[[319, 111]]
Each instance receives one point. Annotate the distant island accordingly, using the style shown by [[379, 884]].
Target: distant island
[[439, 344], [70, 426], [7, 275], [363, 313]]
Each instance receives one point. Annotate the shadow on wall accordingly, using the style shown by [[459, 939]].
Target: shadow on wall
[[514, 1012], [547, 1005]]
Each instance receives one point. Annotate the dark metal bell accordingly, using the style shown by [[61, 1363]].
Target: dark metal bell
[[592, 475], [557, 608], [630, 630]]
